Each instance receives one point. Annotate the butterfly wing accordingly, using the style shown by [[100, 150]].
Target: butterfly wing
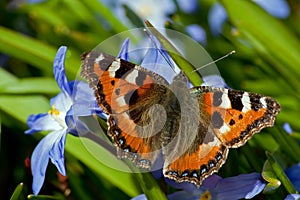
[[228, 118], [236, 115], [205, 156], [128, 93]]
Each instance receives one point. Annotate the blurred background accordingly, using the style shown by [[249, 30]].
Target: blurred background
[[264, 34]]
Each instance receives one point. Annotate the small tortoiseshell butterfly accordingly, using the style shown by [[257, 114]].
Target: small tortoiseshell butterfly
[[193, 128]]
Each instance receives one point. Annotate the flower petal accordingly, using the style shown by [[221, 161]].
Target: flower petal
[[292, 197], [188, 6], [62, 102], [212, 181], [208, 184], [287, 127], [197, 33], [241, 186], [84, 101], [216, 18], [76, 126], [41, 122], [183, 195], [187, 187], [158, 60], [59, 70], [34, 1], [214, 81], [294, 175], [277, 8], [140, 197], [40, 158], [57, 151], [123, 54]]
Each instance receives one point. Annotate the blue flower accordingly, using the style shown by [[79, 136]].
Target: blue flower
[[123, 54], [216, 17], [238, 187], [196, 32], [287, 127], [293, 173], [217, 14], [76, 99], [158, 60], [277, 8], [292, 197], [34, 1], [188, 6]]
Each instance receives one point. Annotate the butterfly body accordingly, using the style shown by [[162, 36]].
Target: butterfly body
[[193, 128]]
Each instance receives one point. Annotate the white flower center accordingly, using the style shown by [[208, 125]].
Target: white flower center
[[58, 116]]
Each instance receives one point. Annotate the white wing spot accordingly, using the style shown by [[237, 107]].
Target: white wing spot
[[246, 102], [224, 128], [99, 58], [263, 102], [131, 77], [225, 101], [113, 68]]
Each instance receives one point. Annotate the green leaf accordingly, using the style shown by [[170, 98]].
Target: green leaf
[[103, 163], [278, 171], [43, 197], [269, 175], [17, 192], [288, 144], [260, 140], [7, 78], [20, 107], [134, 18], [268, 36], [146, 181], [41, 85], [30, 50], [44, 13], [149, 186], [33, 51]]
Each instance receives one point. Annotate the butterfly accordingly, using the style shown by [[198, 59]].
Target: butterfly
[[192, 128]]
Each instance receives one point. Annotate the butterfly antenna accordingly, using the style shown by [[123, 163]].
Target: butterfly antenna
[[159, 49], [228, 54]]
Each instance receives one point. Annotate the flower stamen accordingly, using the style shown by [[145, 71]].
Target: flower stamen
[[205, 196], [53, 111]]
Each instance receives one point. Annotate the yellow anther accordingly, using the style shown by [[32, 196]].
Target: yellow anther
[[205, 196], [53, 111]]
